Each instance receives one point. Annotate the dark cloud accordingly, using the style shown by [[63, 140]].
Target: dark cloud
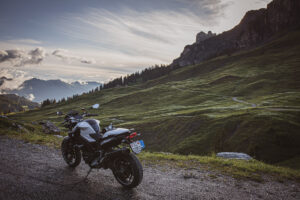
[[9, 55], [63, 54], [20, 58], [3, 79]]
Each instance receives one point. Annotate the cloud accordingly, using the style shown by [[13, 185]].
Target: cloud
[[25, 41], [156, 36], [63, 54], [21, 58], [9, 55], [3, 79], [13, 78], [30, 97]]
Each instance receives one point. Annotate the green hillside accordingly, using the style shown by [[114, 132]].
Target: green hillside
[[246, 102], [15, 103]]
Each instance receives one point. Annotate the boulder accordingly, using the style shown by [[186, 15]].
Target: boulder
[[234, 155], [49, 127], [95, 106]]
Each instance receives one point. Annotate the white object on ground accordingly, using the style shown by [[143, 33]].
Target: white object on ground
[[95, 106], [234, 155]]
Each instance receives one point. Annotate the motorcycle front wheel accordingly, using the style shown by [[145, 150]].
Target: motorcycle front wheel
[[71, 155], [127, 170]]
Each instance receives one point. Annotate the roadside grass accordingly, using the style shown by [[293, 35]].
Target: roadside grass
[[241, 169], [29, 133], [34, 137]]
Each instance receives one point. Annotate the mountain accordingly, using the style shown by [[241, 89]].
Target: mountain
[[256, 28], [248, 101], [39, 90], [13, 103]]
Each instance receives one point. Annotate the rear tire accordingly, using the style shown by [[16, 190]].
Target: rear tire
[[128, 170], [71, 155]]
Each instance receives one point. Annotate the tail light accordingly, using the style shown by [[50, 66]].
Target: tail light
[[132, 135]]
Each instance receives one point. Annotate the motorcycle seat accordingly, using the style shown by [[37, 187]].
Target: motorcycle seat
[[115, 132]]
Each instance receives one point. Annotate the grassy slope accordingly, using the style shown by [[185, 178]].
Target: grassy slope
[[191, 111], [240, 169], [13, 103]]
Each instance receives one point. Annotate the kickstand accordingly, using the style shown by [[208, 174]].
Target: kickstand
[[75, 184]]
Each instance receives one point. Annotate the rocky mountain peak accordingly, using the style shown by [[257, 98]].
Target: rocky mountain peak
[[256, 27], [203, 36]]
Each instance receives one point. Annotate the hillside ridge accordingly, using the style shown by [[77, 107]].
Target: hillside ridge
[[256, 28]]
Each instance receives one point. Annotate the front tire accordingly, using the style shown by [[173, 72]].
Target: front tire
[[71, 155], [128, 170]]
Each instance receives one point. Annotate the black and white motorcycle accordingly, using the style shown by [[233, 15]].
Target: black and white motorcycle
[[110, 148]]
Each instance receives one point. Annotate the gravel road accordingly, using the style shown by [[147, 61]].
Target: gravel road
[[29, 171]]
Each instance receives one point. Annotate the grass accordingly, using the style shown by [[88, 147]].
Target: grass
[[241, 169], [29, 133], [191, 111]]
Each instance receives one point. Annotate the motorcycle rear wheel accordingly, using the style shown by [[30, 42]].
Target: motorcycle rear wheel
[[71, 155], [127, 170]]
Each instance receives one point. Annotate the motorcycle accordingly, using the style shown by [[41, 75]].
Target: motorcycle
[[109, 148]]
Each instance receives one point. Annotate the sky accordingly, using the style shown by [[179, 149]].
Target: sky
[[98, 40]]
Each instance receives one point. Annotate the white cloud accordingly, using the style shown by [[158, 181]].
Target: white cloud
[[158, 36], [65, 55], [30, 97], [17, 76], [25, 41]]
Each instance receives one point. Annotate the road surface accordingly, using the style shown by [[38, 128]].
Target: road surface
[[30, 171]]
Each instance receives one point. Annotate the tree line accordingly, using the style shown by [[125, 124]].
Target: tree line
[[147, 74]]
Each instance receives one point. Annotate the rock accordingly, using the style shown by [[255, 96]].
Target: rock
[[21, 128], [256, 27], [203, 36], [49, 127], [95, 106], [234, 155]]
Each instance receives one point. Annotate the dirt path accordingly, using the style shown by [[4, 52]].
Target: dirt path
[[245, 102], [267, 108], [32, 172]]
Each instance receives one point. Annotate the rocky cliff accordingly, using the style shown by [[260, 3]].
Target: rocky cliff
[[257, 27]]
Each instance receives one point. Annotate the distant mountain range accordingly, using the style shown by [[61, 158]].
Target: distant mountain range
[[13, 103], [257, 27], [38, 90]]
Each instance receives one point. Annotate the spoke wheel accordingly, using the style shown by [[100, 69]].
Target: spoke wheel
[[71, 156], [128, 170]]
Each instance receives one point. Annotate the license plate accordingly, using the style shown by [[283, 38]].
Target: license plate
[[137, 146]]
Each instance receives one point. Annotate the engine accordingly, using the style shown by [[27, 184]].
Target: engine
[[88, 157]]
